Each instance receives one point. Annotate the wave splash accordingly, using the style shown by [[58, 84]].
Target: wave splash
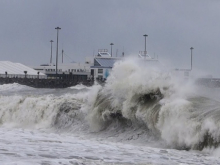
[[136, 103], [171, 109]]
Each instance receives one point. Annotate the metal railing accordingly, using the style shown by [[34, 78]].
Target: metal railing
[[23, 76]]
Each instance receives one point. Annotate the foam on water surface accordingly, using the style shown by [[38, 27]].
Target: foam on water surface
[[22, 146], [142, 115]]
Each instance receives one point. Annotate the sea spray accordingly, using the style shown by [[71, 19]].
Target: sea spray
[[34, 111], [131, 89], [165, 104], [68, 139], [138, 103], [26, 111]]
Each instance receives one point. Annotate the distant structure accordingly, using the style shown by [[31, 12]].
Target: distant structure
[[145, 50], [57, 28], [11, 69], [111, 48], [191, 56], [103, 64], [186, 71], [144, 54], [51, 41]]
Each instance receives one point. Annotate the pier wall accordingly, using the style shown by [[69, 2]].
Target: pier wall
[[209, 82], [46, 82], [64, 82]]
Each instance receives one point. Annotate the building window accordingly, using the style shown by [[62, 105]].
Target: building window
[[100, 70], [100, 77]]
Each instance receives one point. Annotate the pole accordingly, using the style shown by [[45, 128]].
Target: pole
[[111, 48], [62, 55], [57, 28], [145, 50], [51, 52], [191, 56]]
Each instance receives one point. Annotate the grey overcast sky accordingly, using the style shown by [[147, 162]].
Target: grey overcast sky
[[172, 26]]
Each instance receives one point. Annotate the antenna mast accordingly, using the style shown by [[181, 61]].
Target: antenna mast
[[62, 55]]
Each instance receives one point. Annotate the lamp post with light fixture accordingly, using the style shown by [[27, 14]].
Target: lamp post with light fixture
[[57, 28]]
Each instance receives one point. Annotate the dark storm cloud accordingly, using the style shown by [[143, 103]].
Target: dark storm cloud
[[173, 27]]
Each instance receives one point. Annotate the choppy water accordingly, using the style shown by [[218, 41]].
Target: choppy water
[[141, 116]]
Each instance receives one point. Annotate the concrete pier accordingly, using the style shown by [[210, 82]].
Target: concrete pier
[[46, 83], [209, 82]]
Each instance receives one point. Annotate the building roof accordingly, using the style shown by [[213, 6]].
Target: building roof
[[16, 68], [105, 62], [103, 53]]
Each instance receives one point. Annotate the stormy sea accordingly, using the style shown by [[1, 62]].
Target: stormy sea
[[142, 115]]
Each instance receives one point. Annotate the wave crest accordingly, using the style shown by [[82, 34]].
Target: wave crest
[[166, 105]]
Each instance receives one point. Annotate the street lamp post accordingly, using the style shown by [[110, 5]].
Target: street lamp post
[[111, 48], [145, 50], [191, 56], [51, 52], [25, 74], [62, 55], [57, 28]]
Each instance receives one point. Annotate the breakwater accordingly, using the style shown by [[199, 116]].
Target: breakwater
[[209, 82], [46, 82], [63, 82]]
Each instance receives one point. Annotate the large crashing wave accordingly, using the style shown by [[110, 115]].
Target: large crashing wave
[[26, 107], [137, 100], [167, 106]]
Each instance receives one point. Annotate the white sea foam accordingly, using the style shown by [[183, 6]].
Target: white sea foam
[[175, 117], [18, 146], [13, 87], [136, 118], [79, 87]]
